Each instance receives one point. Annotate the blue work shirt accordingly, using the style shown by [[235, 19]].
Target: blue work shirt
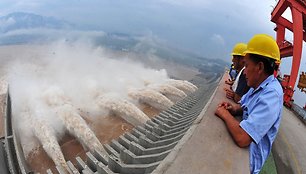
[[262, 110], [232, 73]]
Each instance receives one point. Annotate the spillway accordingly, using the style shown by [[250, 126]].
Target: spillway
[[72, 120], [143, 148], [46, 136]]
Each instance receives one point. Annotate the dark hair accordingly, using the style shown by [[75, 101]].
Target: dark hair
[[269, 64]]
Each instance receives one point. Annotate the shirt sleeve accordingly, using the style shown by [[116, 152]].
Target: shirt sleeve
[[263, 115], [242, 100]]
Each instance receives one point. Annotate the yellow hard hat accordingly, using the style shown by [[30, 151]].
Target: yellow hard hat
[[239, 49], [264, 45], [278, 61]]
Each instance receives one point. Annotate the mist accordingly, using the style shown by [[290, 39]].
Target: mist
[[48, 82]]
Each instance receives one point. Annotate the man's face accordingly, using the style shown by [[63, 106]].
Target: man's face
[[238, 62], [241, 62], [251, 72]]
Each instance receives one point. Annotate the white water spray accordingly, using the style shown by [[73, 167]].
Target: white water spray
[[73, 122], [83, 72], [151, 97], [190, 84], [171, 92], [124, 109], [183, 85], [46, 135]]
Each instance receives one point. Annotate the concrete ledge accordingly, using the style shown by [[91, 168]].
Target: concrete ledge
[[207, 146], [289, 149]]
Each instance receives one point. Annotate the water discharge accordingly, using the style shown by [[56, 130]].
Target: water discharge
[[124, 109], [183, 85], [46, 135], [171, 92], [72, 120], [63, 78], [151, 97]]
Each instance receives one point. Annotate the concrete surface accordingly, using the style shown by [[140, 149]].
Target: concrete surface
[[207, 147], [289, 148]]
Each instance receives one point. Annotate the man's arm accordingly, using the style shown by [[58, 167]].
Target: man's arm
[[234, 109], [241, 138], [230, 94], [236, 98]]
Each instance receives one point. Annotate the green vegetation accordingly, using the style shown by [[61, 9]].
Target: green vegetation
[[269, 166]]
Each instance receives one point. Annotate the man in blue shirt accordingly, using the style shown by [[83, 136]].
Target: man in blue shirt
[[232, 73], [261, 106]]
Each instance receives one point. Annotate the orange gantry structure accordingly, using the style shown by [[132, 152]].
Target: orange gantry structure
[[298, 27]]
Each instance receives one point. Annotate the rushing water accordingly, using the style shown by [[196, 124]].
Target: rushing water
[[71, 119], [124, 109], [152, 98], [171, 92], [183, 85], [46, 136]]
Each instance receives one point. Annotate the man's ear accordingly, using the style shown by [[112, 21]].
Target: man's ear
[[260, 67]]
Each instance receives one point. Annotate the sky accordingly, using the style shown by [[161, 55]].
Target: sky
[[209, 28]]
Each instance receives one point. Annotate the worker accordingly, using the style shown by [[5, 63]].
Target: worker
[[260, 107], [239, 86], [237, 52], [232, 73]]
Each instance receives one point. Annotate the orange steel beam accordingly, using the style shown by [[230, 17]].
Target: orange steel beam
[[280, 33], [286, 51], [278, 10], [287, 24], [286, 48], [297, 18], [298, 10]]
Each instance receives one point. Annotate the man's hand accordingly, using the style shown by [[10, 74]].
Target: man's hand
[[232, 108], [240, 136], [229, 82], [226, 105], [222, 112], [229, 93]]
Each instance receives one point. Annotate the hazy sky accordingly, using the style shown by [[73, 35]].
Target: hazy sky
[[207, 27]]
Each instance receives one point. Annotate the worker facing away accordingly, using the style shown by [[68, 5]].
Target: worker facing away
[[260, 107]]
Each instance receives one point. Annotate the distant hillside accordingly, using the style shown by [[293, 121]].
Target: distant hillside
[[21, 28], [21, 20]]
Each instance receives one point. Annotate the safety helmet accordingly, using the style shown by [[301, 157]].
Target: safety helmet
[[239, 49], [264, 45]]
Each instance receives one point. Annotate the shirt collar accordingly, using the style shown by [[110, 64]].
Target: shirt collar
[[264, 83]]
